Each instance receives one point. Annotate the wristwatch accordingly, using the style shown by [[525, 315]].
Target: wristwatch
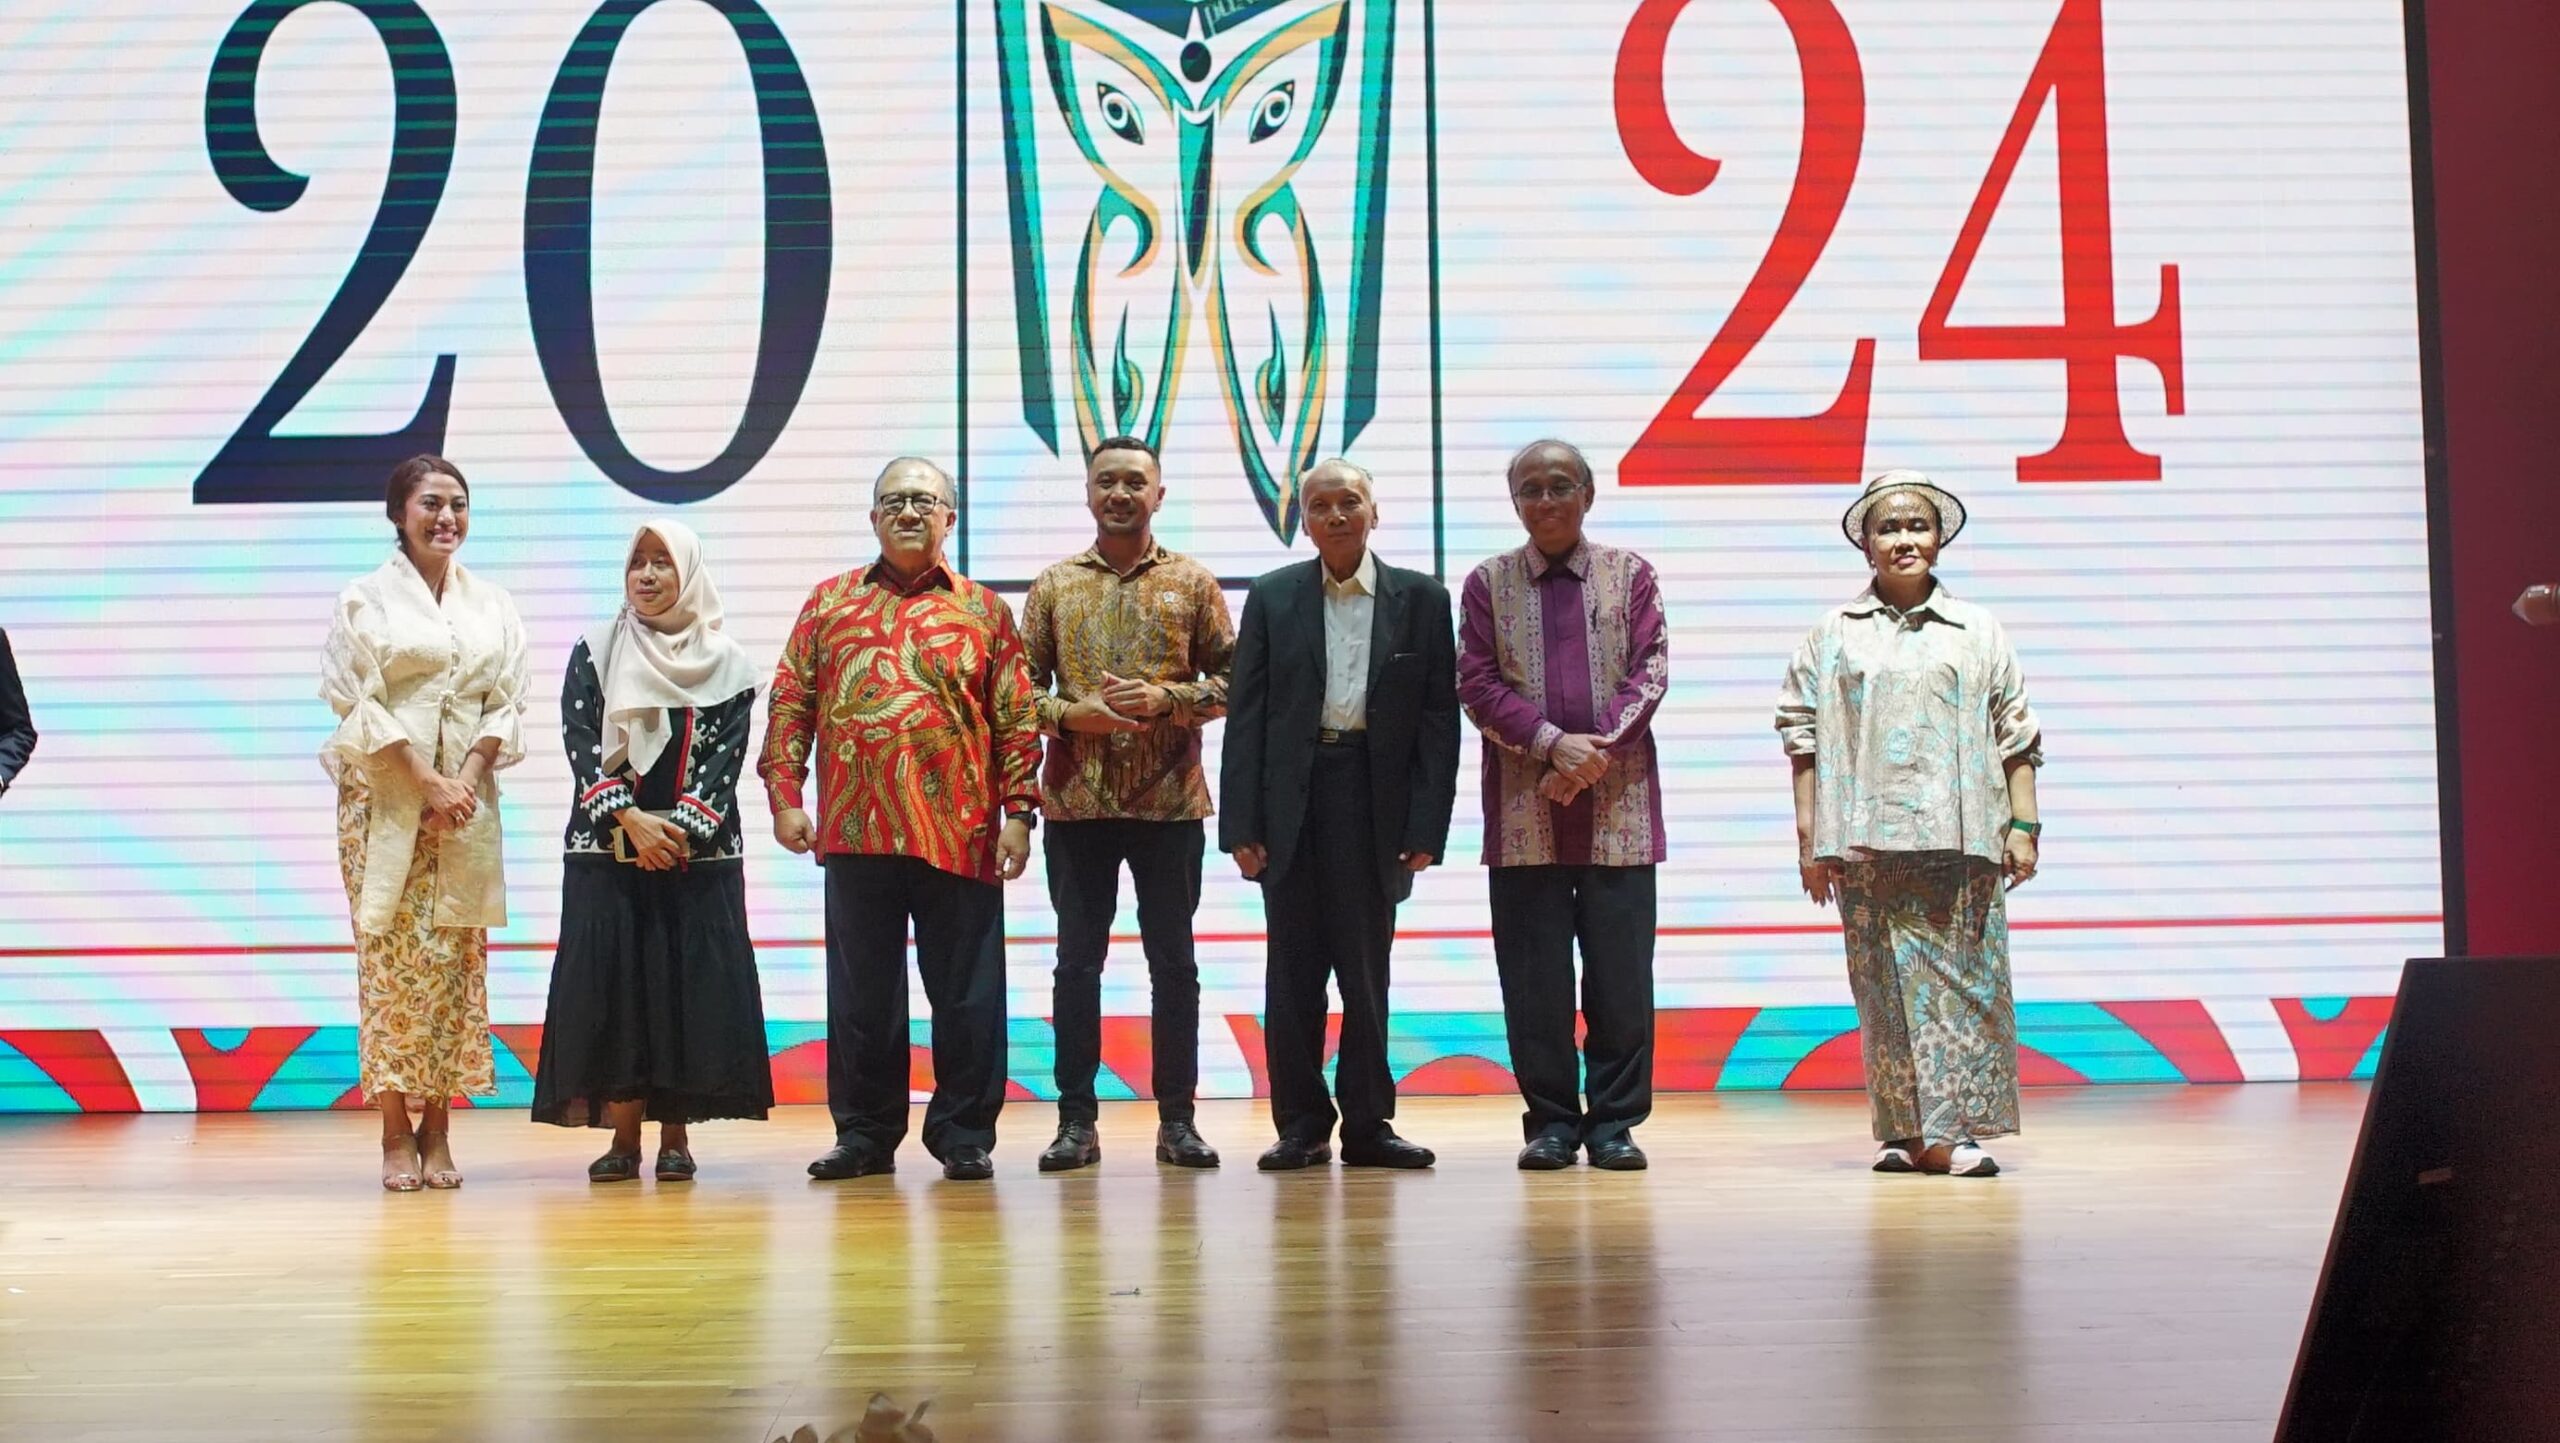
[[1027, 818], [2020, 824]]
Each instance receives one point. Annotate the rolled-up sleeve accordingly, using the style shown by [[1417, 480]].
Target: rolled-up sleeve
[[351, 682], [1796, 699], [2014, 727], [502, 712]]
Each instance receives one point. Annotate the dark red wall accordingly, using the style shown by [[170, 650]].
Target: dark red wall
[[2491, 127]]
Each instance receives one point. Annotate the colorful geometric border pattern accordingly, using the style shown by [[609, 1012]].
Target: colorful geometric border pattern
[[1699, 1049]]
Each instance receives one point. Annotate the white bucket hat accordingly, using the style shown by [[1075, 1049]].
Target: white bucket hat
[[1853, 522]]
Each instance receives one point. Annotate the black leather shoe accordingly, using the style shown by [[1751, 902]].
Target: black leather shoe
[[1182, 1145], [1386, 1150], [1076, 1146], [853, 1159], [1547, 1153], [968, 1163], [1290, 1154], [614, 1167], [1618, 1154]]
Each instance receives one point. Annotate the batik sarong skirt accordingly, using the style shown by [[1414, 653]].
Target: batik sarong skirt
[[1928, 941], [422, 991]]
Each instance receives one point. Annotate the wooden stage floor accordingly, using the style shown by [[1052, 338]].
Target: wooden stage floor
[[2142, 1272]]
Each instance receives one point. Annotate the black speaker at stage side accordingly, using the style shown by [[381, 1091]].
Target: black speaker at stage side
[[2438, 1314]]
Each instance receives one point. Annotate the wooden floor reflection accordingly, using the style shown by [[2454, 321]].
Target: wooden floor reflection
[[2141, 1273]]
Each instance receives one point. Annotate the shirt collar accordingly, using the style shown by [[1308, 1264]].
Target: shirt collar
[[1869, 604], [1577, 561], [1155, 555], [936, 577], [1363, 581], [401, 563]]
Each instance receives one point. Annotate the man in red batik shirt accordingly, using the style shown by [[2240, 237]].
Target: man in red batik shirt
[[909, 682]]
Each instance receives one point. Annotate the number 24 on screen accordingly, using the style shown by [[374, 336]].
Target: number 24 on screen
[[1681, 447]]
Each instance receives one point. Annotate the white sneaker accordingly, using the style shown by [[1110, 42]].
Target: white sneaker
[[1967, 1160], [1895, 1159]]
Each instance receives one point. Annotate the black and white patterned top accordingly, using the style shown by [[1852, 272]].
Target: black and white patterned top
[[696, 777]]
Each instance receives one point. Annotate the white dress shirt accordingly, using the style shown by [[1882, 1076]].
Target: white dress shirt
[[1349, 607]]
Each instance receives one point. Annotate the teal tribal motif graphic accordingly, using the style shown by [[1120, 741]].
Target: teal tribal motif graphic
[[1196, 117]]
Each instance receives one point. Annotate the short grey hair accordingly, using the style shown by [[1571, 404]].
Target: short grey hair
[[950, 491], [1357, 477], [1581, 462]]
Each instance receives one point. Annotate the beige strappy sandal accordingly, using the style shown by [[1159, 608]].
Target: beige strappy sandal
[[406, 1179]]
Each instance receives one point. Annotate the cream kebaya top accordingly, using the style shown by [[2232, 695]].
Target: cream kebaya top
[[443, 675]]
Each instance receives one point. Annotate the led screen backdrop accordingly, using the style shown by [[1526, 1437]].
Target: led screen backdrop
[[2135, 278]]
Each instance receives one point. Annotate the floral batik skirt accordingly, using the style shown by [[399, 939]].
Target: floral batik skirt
[[1928, 938], [422, 991]]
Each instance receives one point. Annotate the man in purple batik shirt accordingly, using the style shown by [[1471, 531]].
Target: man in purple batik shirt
[[1563, 657]]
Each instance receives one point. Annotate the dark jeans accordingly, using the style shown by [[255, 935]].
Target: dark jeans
[[1538, 915], [959, 928], [1084, 886], [1330, 914]]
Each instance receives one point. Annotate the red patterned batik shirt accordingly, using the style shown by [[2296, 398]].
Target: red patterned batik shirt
[[918, 703]]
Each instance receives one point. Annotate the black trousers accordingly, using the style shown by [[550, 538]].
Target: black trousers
[[959, 929], [1084, 887], [1538, 915], [1330, 915]]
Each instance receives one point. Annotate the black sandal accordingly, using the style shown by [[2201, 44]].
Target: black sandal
[[675, 1164], [614, 1167]]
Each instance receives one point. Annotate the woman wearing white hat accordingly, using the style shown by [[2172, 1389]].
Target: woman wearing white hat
[[1915, 758], [654, 1006]]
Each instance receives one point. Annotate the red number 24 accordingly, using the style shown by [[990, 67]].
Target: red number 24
[[1682, 448]]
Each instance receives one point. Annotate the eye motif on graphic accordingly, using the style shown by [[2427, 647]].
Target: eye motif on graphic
[[1196, 215], [1119, 113]]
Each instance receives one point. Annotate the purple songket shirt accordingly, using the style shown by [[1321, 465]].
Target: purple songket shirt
[[1551, 648]]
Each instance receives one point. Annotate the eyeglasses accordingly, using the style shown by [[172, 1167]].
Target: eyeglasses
[[1533, 495], [922, 503]]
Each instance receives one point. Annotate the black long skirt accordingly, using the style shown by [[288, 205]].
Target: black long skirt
[[653, 997]]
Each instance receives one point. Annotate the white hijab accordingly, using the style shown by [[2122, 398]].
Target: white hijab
[[678, 658]]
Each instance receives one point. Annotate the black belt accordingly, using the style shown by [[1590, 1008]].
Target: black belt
[[1334, 737]]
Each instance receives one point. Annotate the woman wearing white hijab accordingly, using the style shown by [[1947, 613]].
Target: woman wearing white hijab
[[654, 1008]]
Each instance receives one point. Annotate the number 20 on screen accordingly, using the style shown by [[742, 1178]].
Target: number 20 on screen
[[1679, 447], [559, 236]]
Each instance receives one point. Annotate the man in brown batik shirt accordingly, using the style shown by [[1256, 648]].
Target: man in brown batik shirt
[[1129, 646]]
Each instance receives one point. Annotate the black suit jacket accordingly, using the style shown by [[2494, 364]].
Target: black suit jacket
[[17, 729], [1275, 699]]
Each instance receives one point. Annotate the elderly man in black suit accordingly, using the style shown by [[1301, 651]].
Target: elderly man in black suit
[[1340, 770]]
